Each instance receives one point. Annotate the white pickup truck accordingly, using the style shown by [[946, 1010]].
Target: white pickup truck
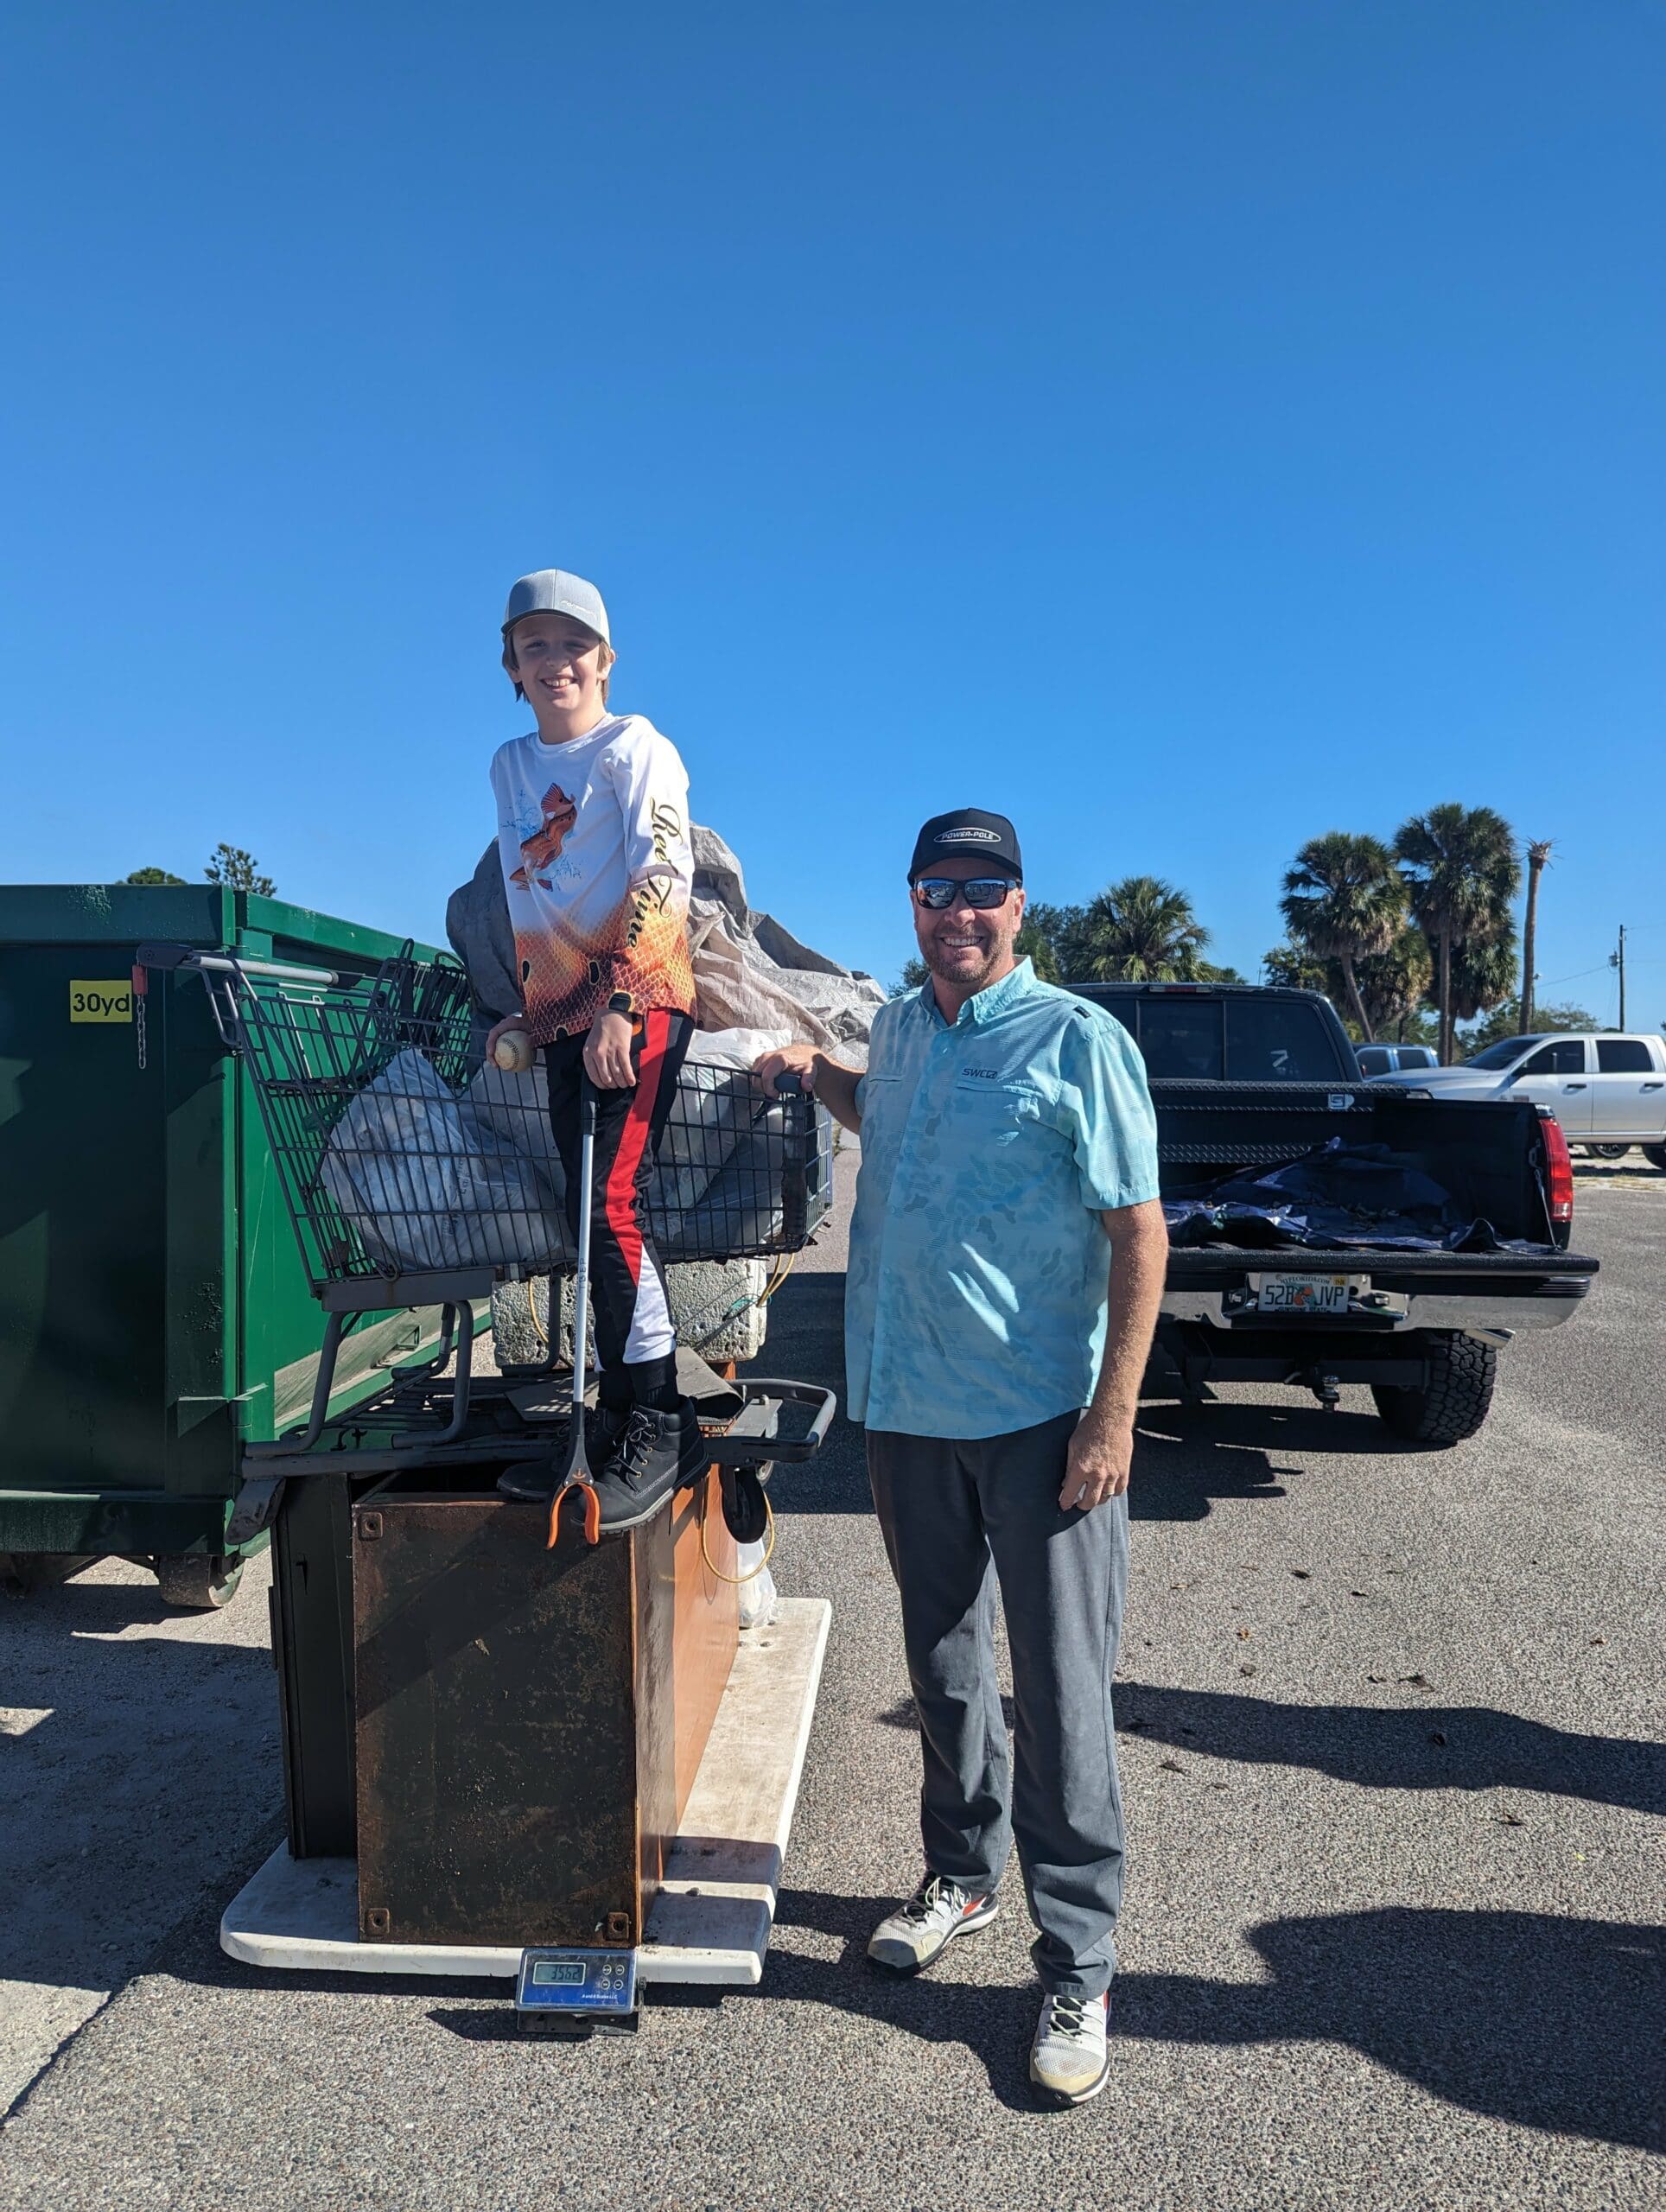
[[1608, 1092]]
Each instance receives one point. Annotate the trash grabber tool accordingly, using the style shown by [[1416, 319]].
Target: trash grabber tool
[[574, 1473]]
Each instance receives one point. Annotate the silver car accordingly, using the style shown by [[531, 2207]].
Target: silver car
[[1393, 1059], [1608, 1092]]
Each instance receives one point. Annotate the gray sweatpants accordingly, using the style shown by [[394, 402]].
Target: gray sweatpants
[[957, 1518]]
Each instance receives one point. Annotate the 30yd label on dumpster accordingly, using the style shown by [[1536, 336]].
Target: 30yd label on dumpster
[[104, 998]]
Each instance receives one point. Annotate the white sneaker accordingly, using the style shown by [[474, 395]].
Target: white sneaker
[[1070, 2059], [908, 1941]]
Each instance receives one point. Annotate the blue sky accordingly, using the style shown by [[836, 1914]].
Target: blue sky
[[1187, 427]]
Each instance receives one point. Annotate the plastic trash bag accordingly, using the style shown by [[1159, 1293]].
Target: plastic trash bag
[[428, 1186], [759, 1599], [430, 1179]]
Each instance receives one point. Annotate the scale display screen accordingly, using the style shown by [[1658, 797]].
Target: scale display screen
[[600, 1983]]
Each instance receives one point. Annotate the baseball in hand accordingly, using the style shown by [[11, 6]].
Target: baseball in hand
[[513, 1051]]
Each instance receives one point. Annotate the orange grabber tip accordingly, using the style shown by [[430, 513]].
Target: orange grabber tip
[[592, 1513]]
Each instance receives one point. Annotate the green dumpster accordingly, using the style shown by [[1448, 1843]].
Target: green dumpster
[[154, 1315]]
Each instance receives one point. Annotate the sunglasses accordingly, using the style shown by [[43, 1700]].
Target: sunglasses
[[937, 892]]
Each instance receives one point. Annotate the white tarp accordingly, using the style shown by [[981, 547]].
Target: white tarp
[[749, 971]]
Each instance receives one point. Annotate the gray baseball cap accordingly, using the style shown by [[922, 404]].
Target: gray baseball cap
[[557, 591]]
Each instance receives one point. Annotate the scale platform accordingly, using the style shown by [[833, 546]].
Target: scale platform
[[709, 1922]]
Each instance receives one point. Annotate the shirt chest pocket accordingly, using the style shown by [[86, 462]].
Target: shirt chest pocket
[[1003, 1115]]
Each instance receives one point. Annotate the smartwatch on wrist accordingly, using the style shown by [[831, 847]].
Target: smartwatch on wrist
[[621, 1003]]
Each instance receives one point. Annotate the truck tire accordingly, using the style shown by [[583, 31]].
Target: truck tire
[[198, 1582], [1455, 1402], [1608, 1151], [1655, 1155]]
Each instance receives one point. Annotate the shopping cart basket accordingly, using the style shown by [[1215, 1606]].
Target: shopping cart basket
[[416, 1174]]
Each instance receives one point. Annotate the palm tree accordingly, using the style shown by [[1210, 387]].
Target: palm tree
[[1461, 873], [1343, 900], [1483, 974], [1034, 941], [1061, 929], [1395, 984], [1293, 968], [1140, 931], [1538, 857]]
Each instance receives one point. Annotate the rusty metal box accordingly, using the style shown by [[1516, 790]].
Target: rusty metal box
[[527, 1721]]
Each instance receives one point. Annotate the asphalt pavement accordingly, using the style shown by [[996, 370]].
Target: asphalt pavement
[[1389, 1726]]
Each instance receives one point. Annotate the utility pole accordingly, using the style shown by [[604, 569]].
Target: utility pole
[[1538, 856], [1617, 960]]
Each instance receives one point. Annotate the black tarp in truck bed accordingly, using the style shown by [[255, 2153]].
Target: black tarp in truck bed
[[1491, 1156]]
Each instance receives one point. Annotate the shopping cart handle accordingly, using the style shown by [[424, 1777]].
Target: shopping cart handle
[[759, 1450], [788, 1085], [169, 956]]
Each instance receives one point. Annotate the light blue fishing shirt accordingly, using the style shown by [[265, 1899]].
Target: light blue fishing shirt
[[974, 1300]]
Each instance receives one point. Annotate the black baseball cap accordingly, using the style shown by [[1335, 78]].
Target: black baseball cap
[[969, 833]]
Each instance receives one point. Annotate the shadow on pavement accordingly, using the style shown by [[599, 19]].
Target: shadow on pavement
[[118, 1800], [1541, 2022], [79, 1608], [1423, 1747], [1185, 1457], [1382, 1747], [994, 2021], [1221, 1425], [1544, 2022], [137, 1770]]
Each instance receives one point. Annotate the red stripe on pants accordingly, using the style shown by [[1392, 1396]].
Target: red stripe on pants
[[621, 1182]]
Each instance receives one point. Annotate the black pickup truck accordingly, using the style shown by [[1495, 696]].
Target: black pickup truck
[[1248, 1083]]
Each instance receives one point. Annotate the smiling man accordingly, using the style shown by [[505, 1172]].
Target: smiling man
[[1006, 1260]]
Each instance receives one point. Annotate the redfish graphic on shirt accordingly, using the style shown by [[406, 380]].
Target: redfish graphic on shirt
[[543, 848], [597, 869], [641, 949]]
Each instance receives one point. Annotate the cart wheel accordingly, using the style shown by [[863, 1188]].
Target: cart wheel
[[199, 1581]]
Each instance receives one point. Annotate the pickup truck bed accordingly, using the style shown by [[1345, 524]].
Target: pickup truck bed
[[1423, 1328]]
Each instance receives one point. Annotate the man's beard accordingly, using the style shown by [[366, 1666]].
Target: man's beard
[[958, 978]]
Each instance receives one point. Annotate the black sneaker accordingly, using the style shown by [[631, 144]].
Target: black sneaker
[[532, 1480], [656, 1454]]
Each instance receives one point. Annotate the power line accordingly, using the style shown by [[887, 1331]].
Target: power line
[[1579, 973]]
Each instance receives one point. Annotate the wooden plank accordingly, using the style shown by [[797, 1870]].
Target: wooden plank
[[707, 1625], [654, 1690]]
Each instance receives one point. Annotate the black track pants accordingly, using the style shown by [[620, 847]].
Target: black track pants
[[634, 1336]]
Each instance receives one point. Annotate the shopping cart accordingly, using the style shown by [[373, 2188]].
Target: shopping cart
[[417, 1173]]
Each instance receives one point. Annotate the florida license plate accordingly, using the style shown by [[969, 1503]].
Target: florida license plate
[[1304, 1293]]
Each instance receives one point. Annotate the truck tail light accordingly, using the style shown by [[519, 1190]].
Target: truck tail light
[[1560, 1165]]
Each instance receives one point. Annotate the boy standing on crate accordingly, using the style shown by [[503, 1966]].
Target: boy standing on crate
[[593, 830]]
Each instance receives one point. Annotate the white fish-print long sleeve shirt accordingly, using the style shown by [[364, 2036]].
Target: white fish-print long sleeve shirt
[[594, 838]]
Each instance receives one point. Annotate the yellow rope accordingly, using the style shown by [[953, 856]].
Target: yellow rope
[[735, 1581]]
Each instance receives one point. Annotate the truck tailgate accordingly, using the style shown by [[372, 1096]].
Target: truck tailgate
[[1489, 1155]]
